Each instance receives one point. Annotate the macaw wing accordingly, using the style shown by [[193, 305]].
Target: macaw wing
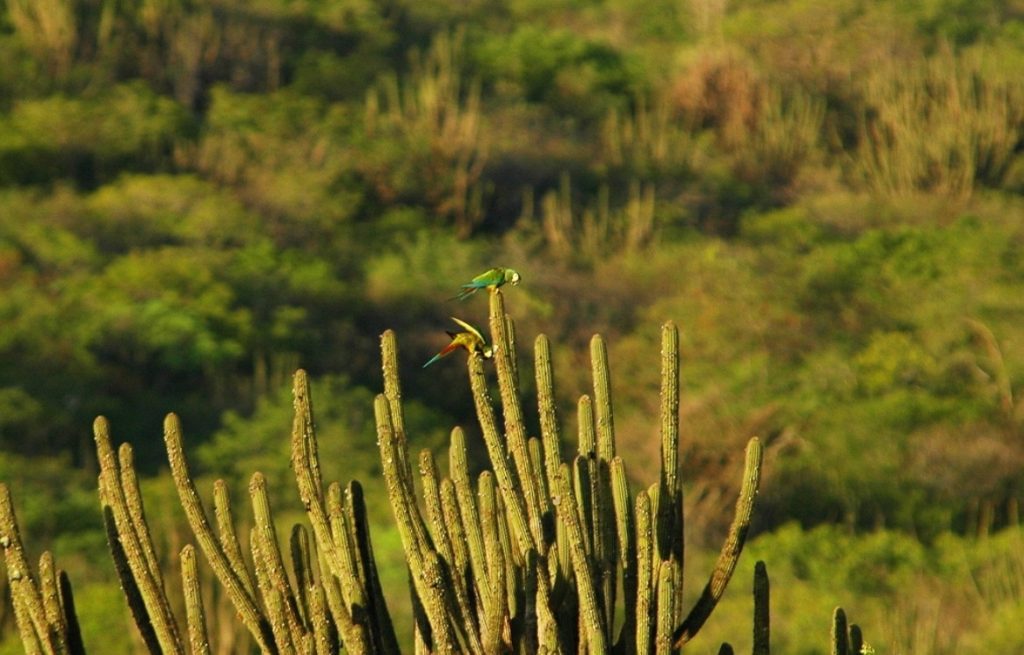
[[487, 278], [469, 328]]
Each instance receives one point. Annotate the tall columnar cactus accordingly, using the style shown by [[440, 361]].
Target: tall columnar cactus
[[43, 610], [578, 542], [537, 554], [847, 638]]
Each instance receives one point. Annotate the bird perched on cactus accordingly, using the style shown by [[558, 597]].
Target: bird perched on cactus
[[470, 339], [490, 279]]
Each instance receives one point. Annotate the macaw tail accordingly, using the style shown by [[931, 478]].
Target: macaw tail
[[466, 292], [444, 351]]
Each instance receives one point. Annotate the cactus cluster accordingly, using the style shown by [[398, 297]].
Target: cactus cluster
[[541, 554], [44, 612], [534, 555]]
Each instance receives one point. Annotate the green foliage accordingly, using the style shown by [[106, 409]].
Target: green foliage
[[147, 211], [287, 156], [961, 22], [571, 74], [86, 140]]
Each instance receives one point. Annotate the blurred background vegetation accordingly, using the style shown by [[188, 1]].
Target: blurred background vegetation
[[198, 197]]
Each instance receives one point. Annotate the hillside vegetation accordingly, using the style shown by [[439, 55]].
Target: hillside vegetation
[[197, 198]]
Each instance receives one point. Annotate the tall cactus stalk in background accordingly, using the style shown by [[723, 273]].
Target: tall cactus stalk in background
[[536, 555]]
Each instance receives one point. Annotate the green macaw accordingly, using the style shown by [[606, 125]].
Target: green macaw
[[490, 279], [471, 340]]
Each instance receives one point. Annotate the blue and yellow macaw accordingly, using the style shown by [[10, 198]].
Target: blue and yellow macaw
[[490, 279], [471, 340]]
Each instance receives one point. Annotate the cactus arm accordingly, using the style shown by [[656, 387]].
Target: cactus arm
[[276, 613], [273, 561], [438, 605], [384, 639], [564, 557], [731, 549], [840, 637], [464, 617], [228, 538], [51, 600], [393, 395], [590, 614], [607, 554], [302, 567], [67, 606], [397, 488], [432, 500], [211, 547], [586, 437], [126, 519], [496, 589], [513, 565], [583, 493], [510, 331], [762, 627], [352, 635], [547, 623], [311, 494], [549, 430], [856, 640], [324, 636], [499, 460], [605, 546], [602, 399], [515, 426], [471, 523], [425, 580], [28, 603], [129, 587], [624, 534], [666, 612], [536, 449], [459, 538], [351, 578], [195, 615], [644, 568], [669, 534], [133, 496]]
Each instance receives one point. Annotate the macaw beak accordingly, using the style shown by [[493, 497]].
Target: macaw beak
[[515, 279]]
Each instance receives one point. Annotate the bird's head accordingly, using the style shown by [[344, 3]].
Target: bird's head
[[513, 277]]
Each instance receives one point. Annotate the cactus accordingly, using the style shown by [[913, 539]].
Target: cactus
[[847, 638], [44, 611], [762, 629], [537, 554], [840, 636]]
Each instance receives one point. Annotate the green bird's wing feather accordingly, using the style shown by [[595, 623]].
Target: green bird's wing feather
[[469, 328], [489, 277]]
